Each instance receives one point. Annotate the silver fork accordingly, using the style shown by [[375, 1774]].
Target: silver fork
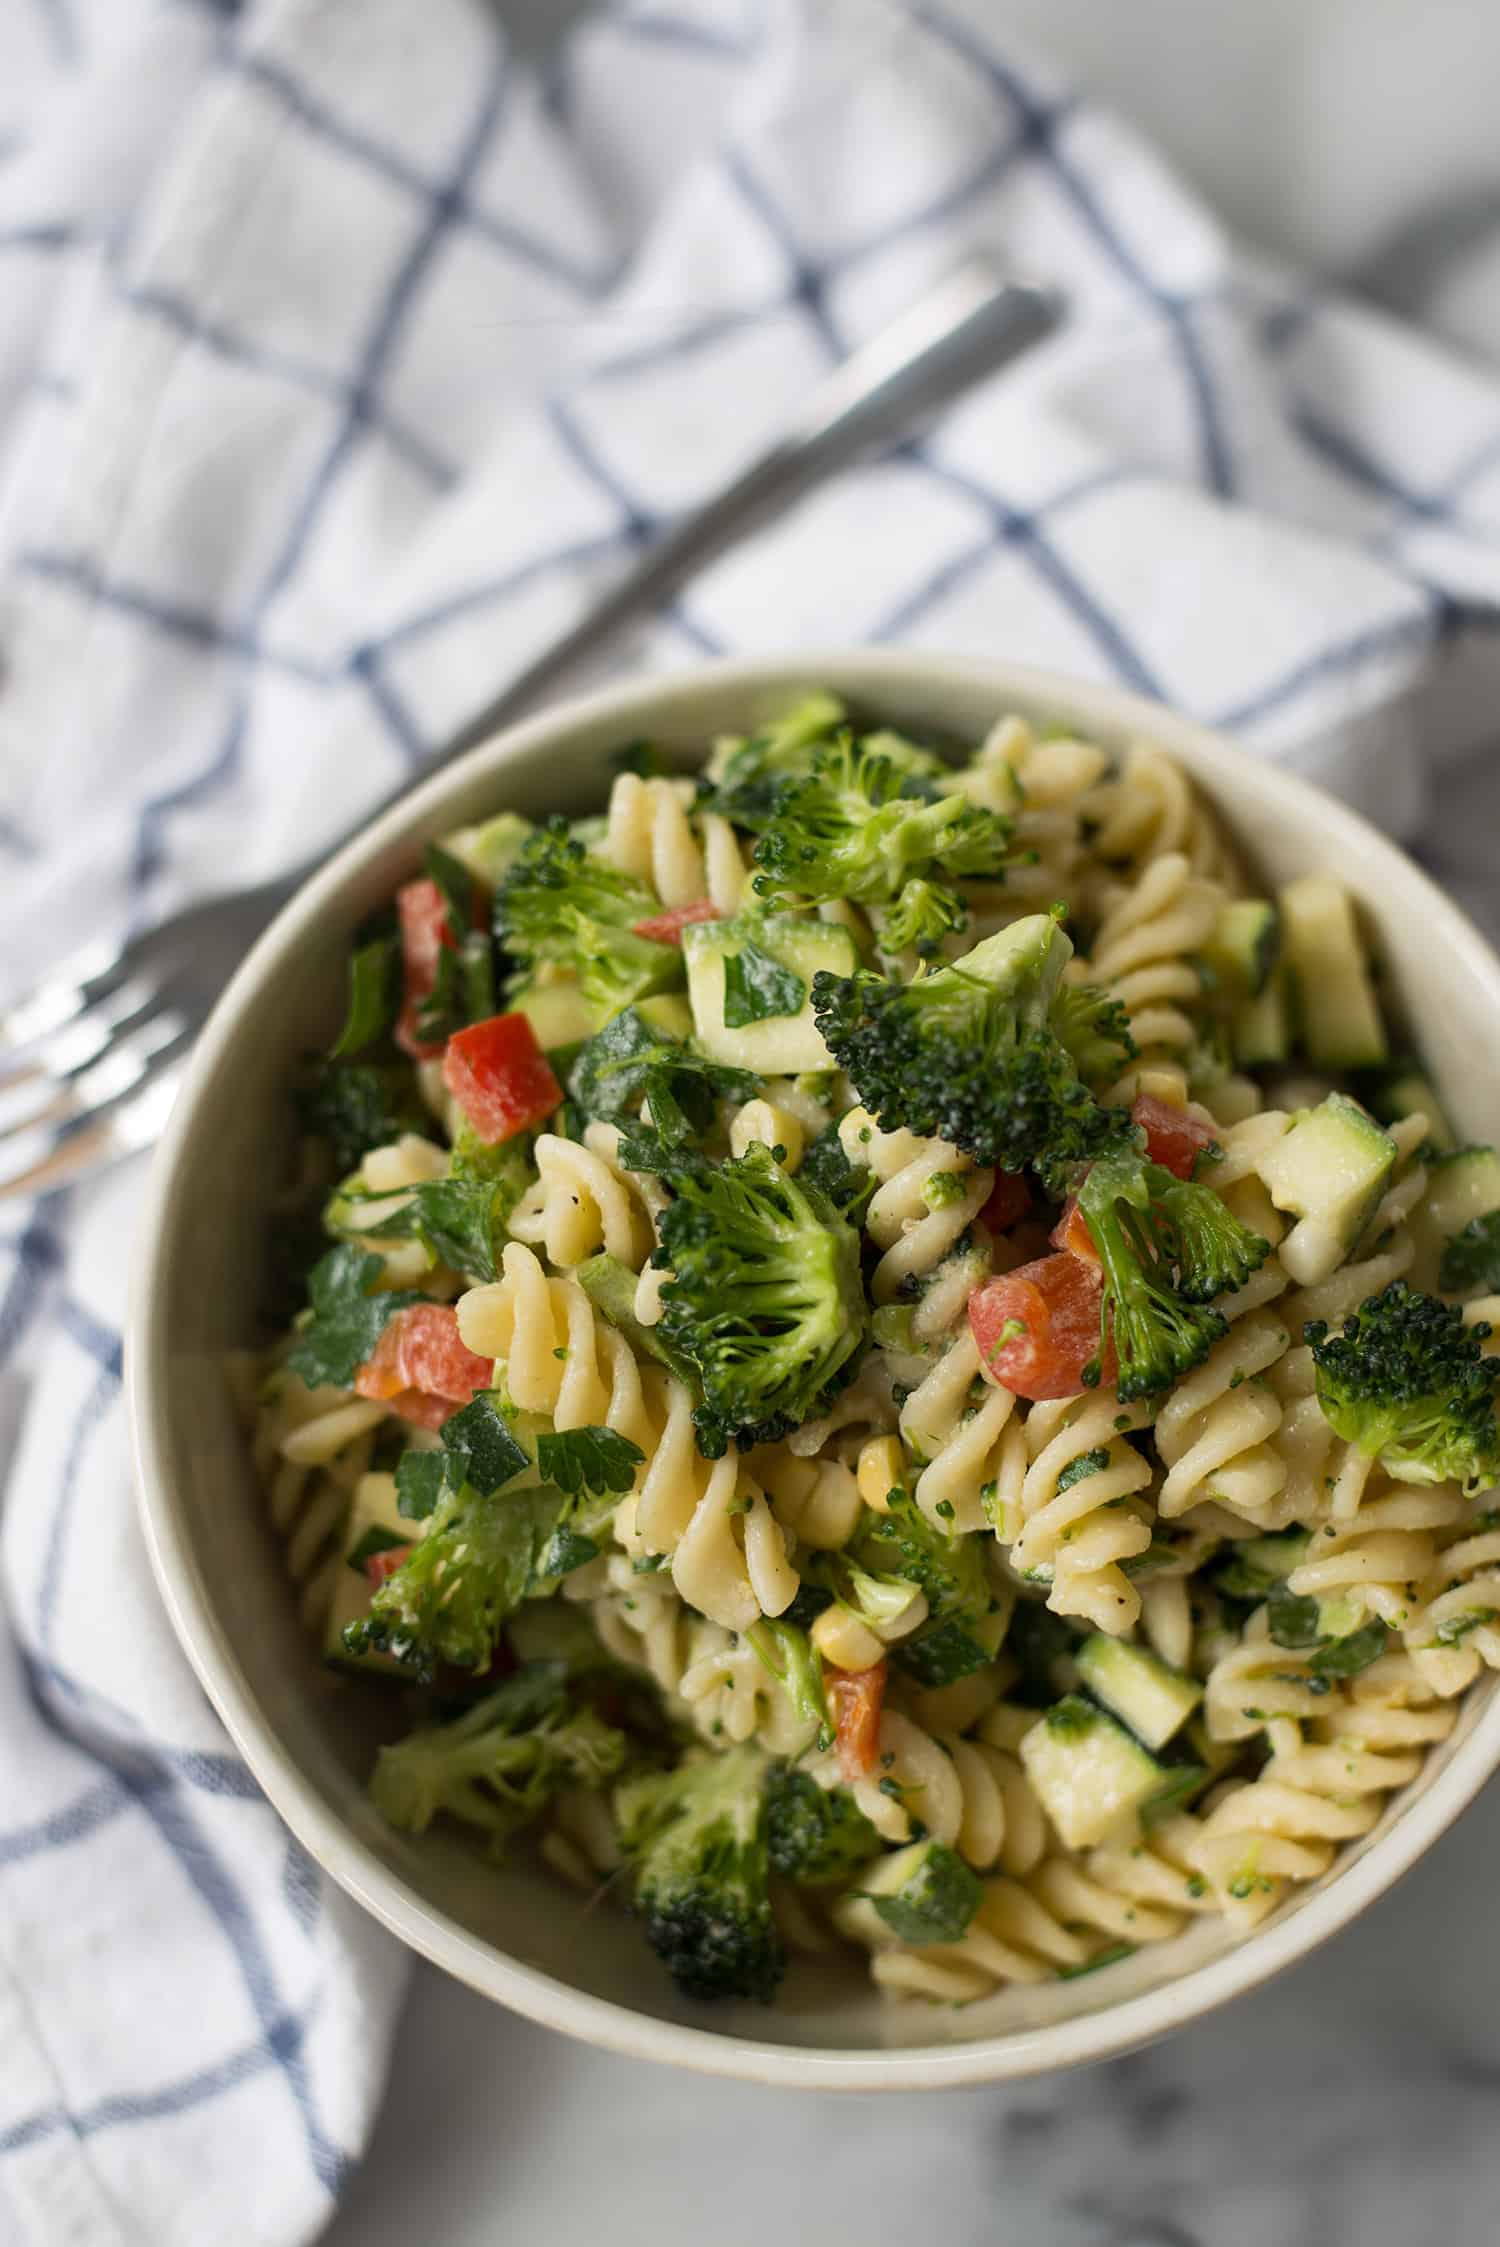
[[91, 1061]]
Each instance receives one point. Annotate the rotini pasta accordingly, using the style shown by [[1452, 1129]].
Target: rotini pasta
[[894, 1413]]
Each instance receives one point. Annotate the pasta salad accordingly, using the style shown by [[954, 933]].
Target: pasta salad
[[878, 1352]]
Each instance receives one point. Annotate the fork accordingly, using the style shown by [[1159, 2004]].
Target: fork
[[91, 1060]]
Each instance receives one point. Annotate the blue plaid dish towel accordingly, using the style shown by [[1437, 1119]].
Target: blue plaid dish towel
[[341, 362]]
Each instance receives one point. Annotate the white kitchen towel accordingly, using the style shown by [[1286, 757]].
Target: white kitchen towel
[[339, 366]]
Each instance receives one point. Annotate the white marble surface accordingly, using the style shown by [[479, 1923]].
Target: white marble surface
[[1351, 2104]]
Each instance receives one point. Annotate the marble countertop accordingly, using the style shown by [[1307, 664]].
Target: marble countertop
[[1353, 2101]]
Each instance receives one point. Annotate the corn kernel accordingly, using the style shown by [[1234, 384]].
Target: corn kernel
[[882, 1469], [843, 1640], [761, 1122]]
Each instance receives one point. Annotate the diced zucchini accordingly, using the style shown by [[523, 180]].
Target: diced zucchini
[[668, 1012], [1340, 1015], [1405, 1089], [1261, 1028], [375, 1521], [1243, 948], [1461, 1186], [487, 850], [1089, 1774], [1329, 1170], [558, 1012], [777, 1044], [1135, 1685], [924, 1893]]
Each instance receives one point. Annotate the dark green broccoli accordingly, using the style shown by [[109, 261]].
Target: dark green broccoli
[[750, 775], [923, 915], [695, 1839], [785, 1649], [495, 1767], [629, 1061], [1211, 1252], [449, 1599], [766, 1299], [817, 1836], [1406, 1380], [1165, 1248], [968, 1052], [965, 1621], [1094, 1028], [357, 1105], [559, 902], [858, 825]]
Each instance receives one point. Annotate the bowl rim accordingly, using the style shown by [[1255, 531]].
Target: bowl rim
[[435, 1935]]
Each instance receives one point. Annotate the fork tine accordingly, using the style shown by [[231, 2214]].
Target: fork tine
[[64, 995], [63, 1051], [117, 1066], [95, 1141]]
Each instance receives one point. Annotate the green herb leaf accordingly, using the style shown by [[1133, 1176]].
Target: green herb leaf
[[1087, 1463], [357, 1105], [460, 1221], [564, 1551], [421, 1479], [456, 885], [756, 987], [373, 996], [347, 1318], [485, 1451], [595, 1460], [627, 1062], [1293, 1622], [1346, 1657], [375, 1540]]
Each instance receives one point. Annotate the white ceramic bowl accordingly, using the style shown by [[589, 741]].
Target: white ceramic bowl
[[516, 1934]]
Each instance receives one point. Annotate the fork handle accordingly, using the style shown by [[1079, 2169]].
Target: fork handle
[[969, 326]]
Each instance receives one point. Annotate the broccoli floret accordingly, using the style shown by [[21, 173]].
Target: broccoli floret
[[965, 1622], [695, 1838], [789, 1654], [1407, 1380], [1160, 1331], [628, 1061], [495, 1767], [1212, 1253], [968, 1052], [766, 1299], [1094, 1028], [559, 902], [747, 776], [816, 1836], [858, 825], [449, 1599], [1471, 1259], [923, 914]]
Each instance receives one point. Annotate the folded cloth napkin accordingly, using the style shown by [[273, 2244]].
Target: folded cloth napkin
[[340, 365]]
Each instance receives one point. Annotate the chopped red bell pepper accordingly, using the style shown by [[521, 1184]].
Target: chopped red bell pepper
[[1009, 1202], [1071, 1232], [421, 1367], [667, 928], [857, 1697], [1173, 1138], [380, 1566], [423, 914], [500, 1077], [1038, 1327]]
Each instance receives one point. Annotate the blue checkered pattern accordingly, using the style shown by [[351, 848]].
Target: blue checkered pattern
[[329, 391]]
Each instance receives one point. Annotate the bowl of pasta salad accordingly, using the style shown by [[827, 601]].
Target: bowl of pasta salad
[[813, 1368]]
